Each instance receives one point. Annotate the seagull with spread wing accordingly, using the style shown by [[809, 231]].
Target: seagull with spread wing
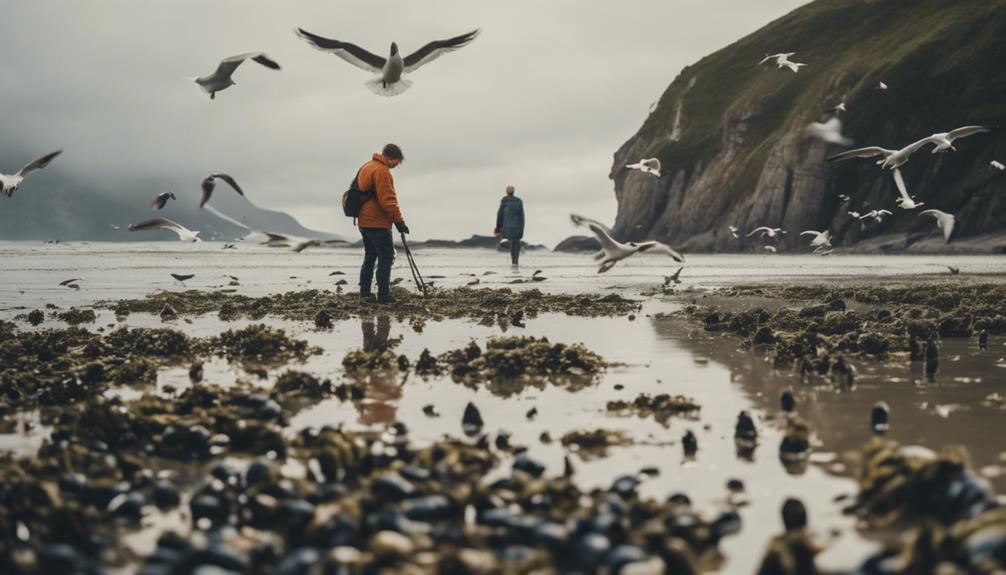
[[210, 183], [11, 182], [894, 159], [390, 70], [162, 199], [829, 132], [221, 78], [821, 239], [782, 61], [944, 221], [877, 215], [184, 234], [648, 166], [766, 232], [613, 252]]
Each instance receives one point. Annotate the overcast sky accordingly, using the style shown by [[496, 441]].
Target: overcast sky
[[542, 99]]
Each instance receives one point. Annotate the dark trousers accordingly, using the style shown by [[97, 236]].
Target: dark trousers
[[379, 248], [514, 251]]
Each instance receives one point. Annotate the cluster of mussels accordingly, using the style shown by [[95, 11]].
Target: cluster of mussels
[[320, 501], [892, 319], [490, 306], [59, 366]]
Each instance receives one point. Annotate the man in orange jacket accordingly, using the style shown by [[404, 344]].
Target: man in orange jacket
[[378, 212]]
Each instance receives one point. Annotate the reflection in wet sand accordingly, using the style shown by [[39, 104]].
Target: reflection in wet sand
[[947, 410], [382, 389]]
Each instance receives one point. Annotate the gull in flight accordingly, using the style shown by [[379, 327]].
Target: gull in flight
[[944, 141], [881, 86], [997, 165], [877, 215], [389, 80], [648, 166], [11, 182], [829, 132], [209, 183], [183, 277], [221, 79], [675, 277], [839, 108], [770, 248], [162, 199], [944, 221], [65, 283], [767, 232], [844, 197], [821, 239], [612, 252], [782, 61], [184, 233], [733, 231]]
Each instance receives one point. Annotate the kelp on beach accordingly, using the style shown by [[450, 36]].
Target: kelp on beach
[[485, 305]]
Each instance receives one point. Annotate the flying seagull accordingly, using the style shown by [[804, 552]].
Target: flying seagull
[[944, 221], [162, 199], [997, 165], [648, 166], [733, 231], [612, 251], [881, 86], [839, 108], [890, 160], [854, 214], [829, 132], [70, 281], [183, 277], [821, 239], [770, 248], [675, 277], [11, 182], [209, 183], [389, 80], [184, 233], [221, 79], [767, 231], [783, 61], [944, 141], [877, 215]]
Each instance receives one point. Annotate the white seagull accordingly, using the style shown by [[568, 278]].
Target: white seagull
[[11, 182], [770, 248], [162, 199], [767, 232], [733, 231], [877, 215], [209, 183], [944, 141], [648, 166], [944, 221], [821, 239], [612, 252], [839, 108], [389, 81], [854, 214], [221, 79], [881, 86], [829, 132], [782, 61], [184, 233], [997, 165]]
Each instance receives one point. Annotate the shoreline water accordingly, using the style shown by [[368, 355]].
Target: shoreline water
[[654, 353]]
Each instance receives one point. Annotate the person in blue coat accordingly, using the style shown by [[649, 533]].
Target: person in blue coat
[[510, 222]]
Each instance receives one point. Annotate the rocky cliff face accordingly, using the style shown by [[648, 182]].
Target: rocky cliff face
[[729, 133]]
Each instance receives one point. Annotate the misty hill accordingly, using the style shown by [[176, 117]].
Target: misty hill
[[72, 213], [729, 132]]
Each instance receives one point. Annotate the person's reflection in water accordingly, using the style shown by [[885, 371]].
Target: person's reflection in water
[[381, 391]]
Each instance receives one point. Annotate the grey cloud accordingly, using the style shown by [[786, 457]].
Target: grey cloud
[[542, 99]]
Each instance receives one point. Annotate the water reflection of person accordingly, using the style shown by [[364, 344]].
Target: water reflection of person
[[381, 390]]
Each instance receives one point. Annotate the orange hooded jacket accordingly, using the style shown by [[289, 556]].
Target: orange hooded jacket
[[382, 209]]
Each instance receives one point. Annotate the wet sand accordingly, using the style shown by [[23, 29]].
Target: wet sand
[[654, 352]]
